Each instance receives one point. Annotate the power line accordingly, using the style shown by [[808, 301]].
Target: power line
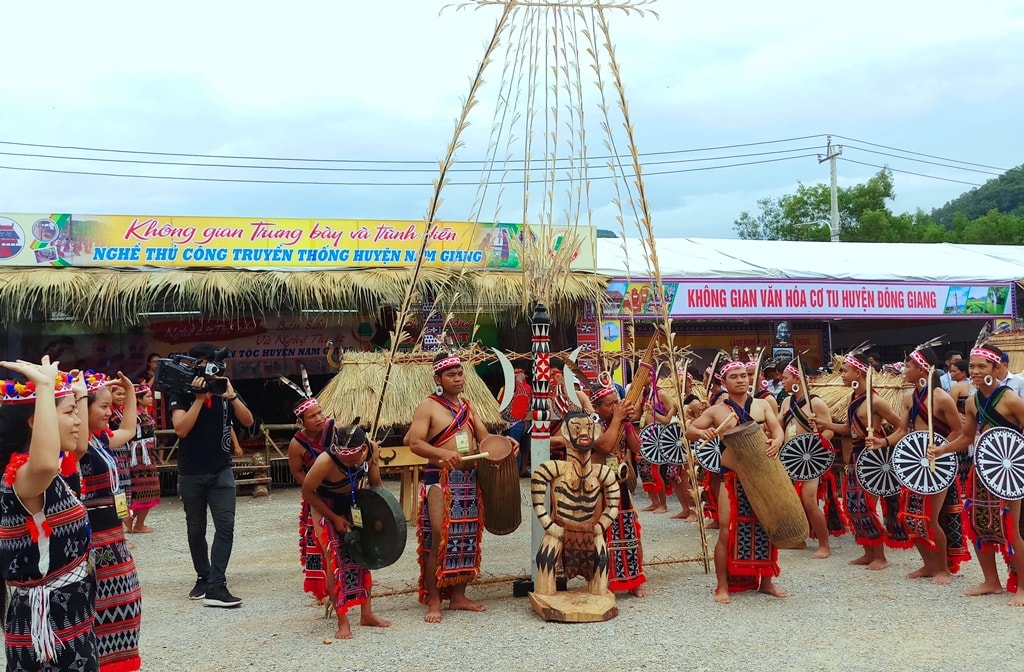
[[392, 184], [933, 163], [930, 156], [579, 163], [910, 172], [383, 161]]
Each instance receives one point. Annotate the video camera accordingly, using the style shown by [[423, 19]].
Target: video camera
[[175, 375]]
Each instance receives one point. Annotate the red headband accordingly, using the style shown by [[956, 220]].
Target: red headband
[[305, 406], [731, 366], [856, 363], [986, 354], [792, 370], [920, 360], [350, 450], [602, 392], [443, 365]]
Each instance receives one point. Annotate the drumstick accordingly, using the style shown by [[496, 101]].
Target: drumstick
[[807, 392], [867, 400], [718, 430], [931, 423], [476, 456]]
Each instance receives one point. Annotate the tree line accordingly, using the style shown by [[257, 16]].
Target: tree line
[[992, 214]]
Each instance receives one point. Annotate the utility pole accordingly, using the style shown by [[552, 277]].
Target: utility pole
[[831, 153]]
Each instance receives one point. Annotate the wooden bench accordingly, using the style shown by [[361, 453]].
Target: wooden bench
[[251, 469], [401, 460]]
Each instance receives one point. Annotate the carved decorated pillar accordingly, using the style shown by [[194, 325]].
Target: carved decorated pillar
[[540, 437]]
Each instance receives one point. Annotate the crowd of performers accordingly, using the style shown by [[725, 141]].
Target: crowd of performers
[[941, 526], [331, 463], [78, 474], [73, 483]]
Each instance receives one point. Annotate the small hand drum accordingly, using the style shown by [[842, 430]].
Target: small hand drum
[[662, 444], [709, 455], [999, 459], [875, 473], [910, 464], [806, 457], [672, 444], [650, 446]]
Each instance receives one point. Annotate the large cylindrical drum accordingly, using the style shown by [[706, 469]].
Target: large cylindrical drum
[[498, 477], [768, 486]]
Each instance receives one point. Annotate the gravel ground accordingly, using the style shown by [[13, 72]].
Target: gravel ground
[[836, 618]]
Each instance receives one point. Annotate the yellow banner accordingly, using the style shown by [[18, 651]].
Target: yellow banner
[[278, 244]]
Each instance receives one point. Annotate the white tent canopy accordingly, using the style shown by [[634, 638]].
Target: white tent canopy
[[733, 258]]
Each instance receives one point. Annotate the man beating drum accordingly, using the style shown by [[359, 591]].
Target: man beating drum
[[445, 432], [739, 567]]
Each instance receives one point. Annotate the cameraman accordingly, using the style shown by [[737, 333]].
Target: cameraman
[[203, 422]]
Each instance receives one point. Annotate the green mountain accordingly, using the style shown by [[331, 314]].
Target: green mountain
[[1004, 193]]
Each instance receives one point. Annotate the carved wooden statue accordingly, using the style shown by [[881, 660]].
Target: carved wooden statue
[[586, 501]]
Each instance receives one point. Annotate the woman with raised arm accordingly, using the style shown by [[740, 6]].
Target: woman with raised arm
[[44, 531], [118, 595]]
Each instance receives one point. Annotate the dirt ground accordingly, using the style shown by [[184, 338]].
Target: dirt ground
[[836, 618]]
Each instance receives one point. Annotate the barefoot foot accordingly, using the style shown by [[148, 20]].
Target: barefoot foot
[[144, 529], [822, 553], [639, 591], [1017, 600], [464, 604], [722, 596], [984, 589], [769, 588], [922, 573], [878, 564], [373, 621], [660, 509], [433, 611], [344, 630], [942, 579], [862, 560]]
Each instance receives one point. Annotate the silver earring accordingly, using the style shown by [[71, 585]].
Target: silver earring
[[988, 380], [854, 384], [922, 382], [795, 388], [438, 390]]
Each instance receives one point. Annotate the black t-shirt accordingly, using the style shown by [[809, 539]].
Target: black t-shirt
[[207, 448]]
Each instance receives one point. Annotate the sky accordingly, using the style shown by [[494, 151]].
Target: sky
[[384, 80]]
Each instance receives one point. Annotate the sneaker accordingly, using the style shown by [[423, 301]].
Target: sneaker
[[220, 597], [199, 592]]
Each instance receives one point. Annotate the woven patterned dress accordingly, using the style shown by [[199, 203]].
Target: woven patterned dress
[[45, 556], [145, 480], [118, 595]]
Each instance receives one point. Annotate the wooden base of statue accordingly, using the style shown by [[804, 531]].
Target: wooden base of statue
[[575, 606]]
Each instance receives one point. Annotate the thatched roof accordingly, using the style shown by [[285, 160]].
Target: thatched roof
[[355, 389], [833, 392], [109, 296]]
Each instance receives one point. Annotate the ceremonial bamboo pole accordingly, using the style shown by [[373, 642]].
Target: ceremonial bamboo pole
[[403, 315], [645, 226]]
